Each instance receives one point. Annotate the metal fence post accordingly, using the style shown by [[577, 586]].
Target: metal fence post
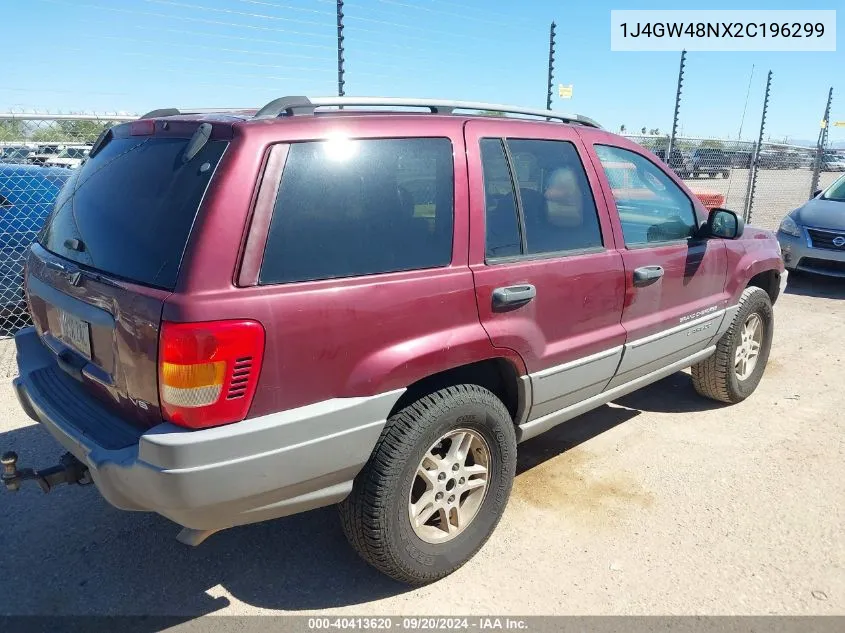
[[677, 109], [340, 60], [821, 144], [551, 66], [752, 177]]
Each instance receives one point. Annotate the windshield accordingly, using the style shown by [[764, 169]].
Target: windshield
[[836, 191], [129, 209]]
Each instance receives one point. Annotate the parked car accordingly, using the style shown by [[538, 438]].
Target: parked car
[[833, 162], [16, 155], [710, 161], [241, 316], [679, 162], [813, 236], [26, 195], [741, 159], [44, 152], [778, 159], [70, 157]]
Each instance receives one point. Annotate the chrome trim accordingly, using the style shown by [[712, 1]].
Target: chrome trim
[[551, 371], [540, 425], [674, 330]]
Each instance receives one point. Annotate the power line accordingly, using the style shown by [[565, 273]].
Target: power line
[[187, 19], [408, 26], [449, 13], [456, 5], [305, 69], [210, 35], [422, 38], [201, 7], [359, 54], [210, 48], [286, 6]]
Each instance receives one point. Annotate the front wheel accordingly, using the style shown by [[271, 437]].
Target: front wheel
[[435, 486], [733, 372]]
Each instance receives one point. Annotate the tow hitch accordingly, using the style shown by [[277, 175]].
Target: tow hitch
[[69, 470]]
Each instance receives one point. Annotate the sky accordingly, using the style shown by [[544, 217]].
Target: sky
[[136, 55]]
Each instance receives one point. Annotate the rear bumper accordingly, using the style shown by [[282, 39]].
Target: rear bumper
[[250, 471]]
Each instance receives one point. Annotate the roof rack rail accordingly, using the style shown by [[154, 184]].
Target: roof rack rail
[[304, 105], [163, 112]]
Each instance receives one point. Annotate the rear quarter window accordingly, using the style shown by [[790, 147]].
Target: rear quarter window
[[361, 207]]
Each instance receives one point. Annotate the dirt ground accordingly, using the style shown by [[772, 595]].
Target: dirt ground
[[661, 503]]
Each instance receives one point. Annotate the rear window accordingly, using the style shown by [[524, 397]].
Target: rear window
[[131, 206], [361, 207]]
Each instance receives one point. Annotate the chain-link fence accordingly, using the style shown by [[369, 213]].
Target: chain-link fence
[[761, 185], [37, 154]]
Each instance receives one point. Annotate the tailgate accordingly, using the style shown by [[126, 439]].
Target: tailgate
[[104, 332], [110, 253]]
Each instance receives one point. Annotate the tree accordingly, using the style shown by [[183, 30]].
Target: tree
[[712, 144], [642, 131], [11, 130], [82, 131], [69, 131], [491, 113], [654, 131], [622, 129]]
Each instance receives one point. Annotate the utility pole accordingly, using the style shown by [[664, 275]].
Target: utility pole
[[551, 66], [340, 82], [677, 108]]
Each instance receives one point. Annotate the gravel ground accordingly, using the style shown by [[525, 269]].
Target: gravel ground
[[661, 503], [778, 191]]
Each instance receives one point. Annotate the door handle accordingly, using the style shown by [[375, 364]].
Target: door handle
[[513, 296], [647, 275]]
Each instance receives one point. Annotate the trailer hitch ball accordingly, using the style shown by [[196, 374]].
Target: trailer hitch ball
[[10, 471]]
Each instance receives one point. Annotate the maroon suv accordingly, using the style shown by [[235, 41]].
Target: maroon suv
[[239, 316]]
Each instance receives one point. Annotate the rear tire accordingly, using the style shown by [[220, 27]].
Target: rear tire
[[377, 515], [727, 375]]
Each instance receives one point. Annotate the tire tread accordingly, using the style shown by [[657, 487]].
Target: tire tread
[[362, 512], [710, 377]]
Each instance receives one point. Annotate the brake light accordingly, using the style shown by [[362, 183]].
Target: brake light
[[142, 127], [208, 371]]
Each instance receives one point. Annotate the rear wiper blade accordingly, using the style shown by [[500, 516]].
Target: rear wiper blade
[[197, 142]]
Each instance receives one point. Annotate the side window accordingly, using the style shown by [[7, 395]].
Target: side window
[[502, 233], [361, 207], [558, 212], [651, 207]]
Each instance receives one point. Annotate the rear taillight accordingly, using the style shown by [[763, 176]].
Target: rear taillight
[[208, 371]]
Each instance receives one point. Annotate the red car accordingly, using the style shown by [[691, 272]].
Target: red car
[[240, 316]]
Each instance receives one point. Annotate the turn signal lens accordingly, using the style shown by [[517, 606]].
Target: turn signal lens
[[208, 371]]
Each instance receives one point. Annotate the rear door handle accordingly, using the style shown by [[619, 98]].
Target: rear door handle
[[647, 275], [513, 296]]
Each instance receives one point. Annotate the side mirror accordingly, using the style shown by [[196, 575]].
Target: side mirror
[[816, 193], [724, 224]]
